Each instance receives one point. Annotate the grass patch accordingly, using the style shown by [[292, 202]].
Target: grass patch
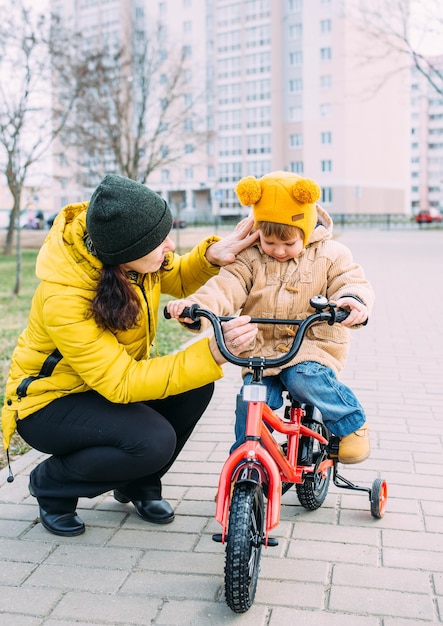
[[14, 318]]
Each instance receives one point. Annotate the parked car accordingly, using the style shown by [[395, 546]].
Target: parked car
[[51, 219], [426, 217], [176, 223]]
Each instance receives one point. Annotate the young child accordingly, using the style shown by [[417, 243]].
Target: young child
[[295, 259]]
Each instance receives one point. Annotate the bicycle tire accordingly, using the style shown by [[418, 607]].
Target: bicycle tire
[[244, 545], [312, 493]]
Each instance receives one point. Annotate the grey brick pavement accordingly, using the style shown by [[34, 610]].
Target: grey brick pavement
[[335, 566]]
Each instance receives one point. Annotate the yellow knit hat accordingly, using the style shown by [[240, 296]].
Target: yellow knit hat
[[283, 198]]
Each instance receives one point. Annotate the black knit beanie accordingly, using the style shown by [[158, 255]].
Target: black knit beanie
[[126, 220]]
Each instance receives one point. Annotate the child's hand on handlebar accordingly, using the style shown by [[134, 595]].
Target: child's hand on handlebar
[[239, 334], [358, 312], [175, 308]]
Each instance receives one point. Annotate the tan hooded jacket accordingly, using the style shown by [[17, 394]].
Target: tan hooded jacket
[[260, 286]]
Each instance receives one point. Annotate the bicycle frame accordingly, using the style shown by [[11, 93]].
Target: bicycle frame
[[261, 452]]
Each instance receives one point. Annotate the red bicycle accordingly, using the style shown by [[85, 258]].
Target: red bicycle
[[258, 472]]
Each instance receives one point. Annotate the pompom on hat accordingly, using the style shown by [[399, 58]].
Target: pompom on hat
[[126, 220], [283, 198]]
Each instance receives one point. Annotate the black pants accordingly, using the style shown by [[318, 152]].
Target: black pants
[[97, 445]]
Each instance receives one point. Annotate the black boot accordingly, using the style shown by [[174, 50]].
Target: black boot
[[154, 511], [63, 524]]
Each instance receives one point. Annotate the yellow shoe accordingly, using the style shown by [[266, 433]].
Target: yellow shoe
[[355, 448]]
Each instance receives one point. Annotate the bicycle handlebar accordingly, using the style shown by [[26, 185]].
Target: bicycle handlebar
[[331, 315]]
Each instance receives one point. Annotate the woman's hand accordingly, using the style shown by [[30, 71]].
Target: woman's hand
[[224, 251], [239, 333], [358, 311]]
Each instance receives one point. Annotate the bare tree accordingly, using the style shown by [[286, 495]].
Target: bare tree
[[135, 111], [409, 29], [32, 48]]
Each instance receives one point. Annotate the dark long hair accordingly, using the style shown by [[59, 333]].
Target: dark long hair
[[116, 305]]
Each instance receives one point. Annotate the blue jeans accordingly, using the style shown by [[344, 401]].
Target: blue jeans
[[309, 383]]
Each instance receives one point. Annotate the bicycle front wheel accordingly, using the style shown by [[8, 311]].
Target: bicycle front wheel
[[243, 549]]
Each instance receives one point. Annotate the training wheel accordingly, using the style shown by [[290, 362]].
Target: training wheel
[[379, 496]]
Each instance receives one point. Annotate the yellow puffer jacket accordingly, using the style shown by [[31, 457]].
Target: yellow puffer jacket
[[115, 364]]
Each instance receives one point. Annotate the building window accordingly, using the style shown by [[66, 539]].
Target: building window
[[255, 168], [259, 144], [325, 109], [326, 165], [295, 5], [326, 137], [189, 172], [296, 57], [297, 167], [189, 148], [325, 26], [165, 176], [233, 171], [258, 90], [326, 195], [326, 81], [227, 146], [295, 31], [296, 140], [325, 54], [257, 117], [296, 85], [295, 114]]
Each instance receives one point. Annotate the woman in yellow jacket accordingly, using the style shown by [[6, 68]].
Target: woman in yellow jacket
[[82, 386]]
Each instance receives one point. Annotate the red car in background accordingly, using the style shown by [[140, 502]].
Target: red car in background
[[426, 217]]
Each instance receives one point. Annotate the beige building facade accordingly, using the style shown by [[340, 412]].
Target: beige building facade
[[287, 85]]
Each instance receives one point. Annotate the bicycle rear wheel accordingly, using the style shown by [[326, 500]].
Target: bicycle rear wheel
[[243, 549], [313, 491]]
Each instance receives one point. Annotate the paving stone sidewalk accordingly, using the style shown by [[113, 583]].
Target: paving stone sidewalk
[[333, 567]]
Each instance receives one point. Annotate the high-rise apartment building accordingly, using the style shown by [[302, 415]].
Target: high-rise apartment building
[[287, 84], [427, 143]]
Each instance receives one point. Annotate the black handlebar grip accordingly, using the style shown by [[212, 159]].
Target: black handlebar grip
[[340, 315], [188, 311]]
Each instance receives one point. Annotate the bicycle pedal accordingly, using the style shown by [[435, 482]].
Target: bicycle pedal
[[333, 447], [272, 542]]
